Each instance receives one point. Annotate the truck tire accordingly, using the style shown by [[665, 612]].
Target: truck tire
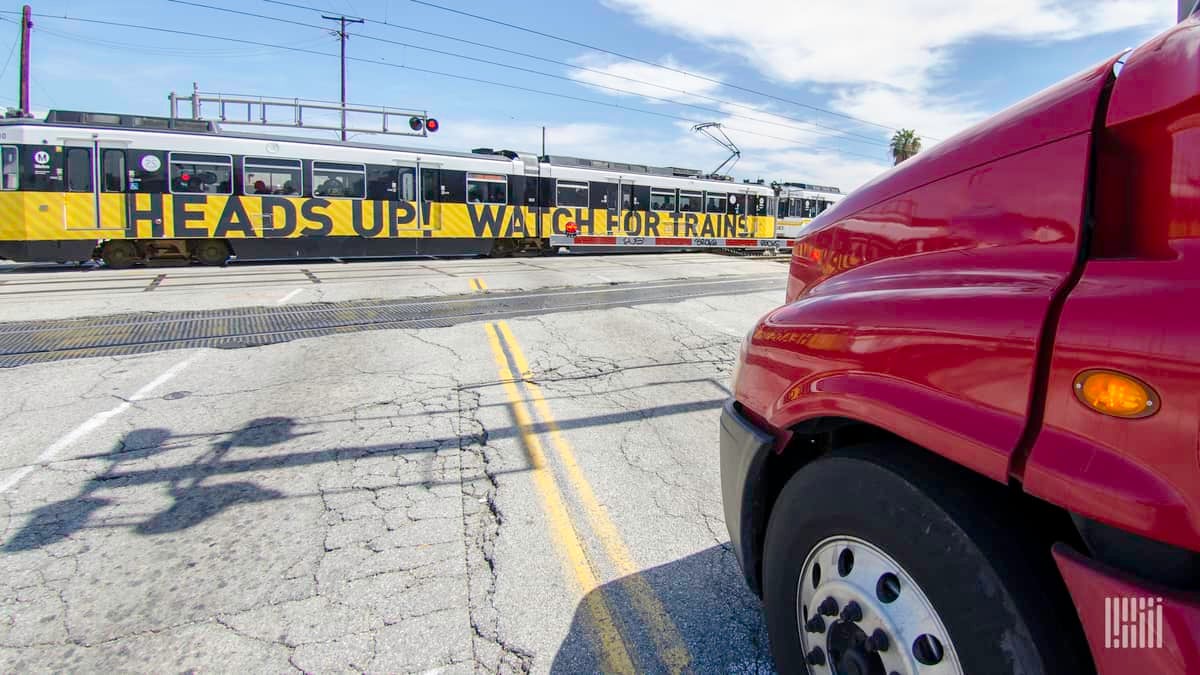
[[119, 254], [884, 559]]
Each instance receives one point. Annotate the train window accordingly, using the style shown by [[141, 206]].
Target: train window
[[10, 168], [662, 200], [113, 166], [79, 170], [811, 208], [545, 191], [760, 206], [782, 210], [691, 202], [487, 188], [572, 193], [271, 176], [429, 184], [626, 197], [714, 202], [603, 195], [408, 183], [641, 197], [737, 205], [201, 174], [338, 180], [383, 182], [145, 171]]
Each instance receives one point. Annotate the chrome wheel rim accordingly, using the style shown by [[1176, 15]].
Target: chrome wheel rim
[[861, 613]]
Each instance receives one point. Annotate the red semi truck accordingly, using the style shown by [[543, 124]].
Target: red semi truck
[[969, 442]]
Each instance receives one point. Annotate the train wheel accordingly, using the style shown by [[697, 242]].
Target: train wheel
[[503, 248], [211, 252], [119, 255]]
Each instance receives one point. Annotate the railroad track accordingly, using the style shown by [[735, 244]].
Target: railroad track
[[28, 342]]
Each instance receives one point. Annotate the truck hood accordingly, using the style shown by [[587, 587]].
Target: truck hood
[[1062, 110]]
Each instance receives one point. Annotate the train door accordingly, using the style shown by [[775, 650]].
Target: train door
[[430, 185], [93, 199], [111, 179], [79, 210]]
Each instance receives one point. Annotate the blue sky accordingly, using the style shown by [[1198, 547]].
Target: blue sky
[[934, 65]]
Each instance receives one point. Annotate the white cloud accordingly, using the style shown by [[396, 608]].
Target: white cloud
[[640, 79], [931, 115], [882, 61], [898, 43]]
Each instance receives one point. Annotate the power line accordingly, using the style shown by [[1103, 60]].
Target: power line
[[673, 69], [381, 62], [835, 130], [803, 129], [170, 51], [11, 51]]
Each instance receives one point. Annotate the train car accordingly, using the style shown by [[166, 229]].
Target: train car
[[131, 188], [799, 203]]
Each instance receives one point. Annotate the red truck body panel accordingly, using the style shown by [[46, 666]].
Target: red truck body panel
[[921, 297], [943, 338], [1133, 310], [954, 300]]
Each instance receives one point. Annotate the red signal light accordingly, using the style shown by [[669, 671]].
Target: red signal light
[[184, 177], [415, 123], [432, 124], [572, 228]]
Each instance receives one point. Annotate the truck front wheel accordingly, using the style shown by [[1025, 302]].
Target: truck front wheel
[[880, 560]]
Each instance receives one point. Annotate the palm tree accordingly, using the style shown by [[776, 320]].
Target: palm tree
[[905, 143]]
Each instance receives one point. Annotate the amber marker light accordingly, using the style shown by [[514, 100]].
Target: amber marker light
[[1116, 394]]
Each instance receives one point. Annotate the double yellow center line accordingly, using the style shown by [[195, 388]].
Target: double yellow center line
[[477, 284], [671, 650]]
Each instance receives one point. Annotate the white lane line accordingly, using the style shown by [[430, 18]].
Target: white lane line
[[289, 296], [92, 424], [603, 278]]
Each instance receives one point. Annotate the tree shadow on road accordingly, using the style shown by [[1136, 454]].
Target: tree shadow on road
[[716, 616]]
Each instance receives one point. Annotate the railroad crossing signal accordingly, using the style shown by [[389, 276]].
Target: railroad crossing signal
[[428, 123]]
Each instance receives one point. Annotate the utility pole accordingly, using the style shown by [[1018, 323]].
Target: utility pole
[[342, 37], [26, 25]]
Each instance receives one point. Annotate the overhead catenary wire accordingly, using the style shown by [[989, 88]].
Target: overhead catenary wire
[[681, 71], [171, 51], [803, 129], [380, 62], [575, 66], [11, 51]]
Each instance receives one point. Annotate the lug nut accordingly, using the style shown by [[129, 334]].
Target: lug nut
[[815, 624], [852, 612], [878, 641], [816, 657], [828, 607]]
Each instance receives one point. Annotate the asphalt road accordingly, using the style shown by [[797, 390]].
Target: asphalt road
[[532, 493]]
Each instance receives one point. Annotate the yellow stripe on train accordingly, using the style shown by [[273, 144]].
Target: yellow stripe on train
[[51, 216]]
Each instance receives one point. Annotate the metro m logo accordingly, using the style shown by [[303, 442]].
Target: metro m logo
[[1133, 622]]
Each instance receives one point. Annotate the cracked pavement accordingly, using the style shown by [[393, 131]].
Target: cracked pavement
[[365, 502]]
